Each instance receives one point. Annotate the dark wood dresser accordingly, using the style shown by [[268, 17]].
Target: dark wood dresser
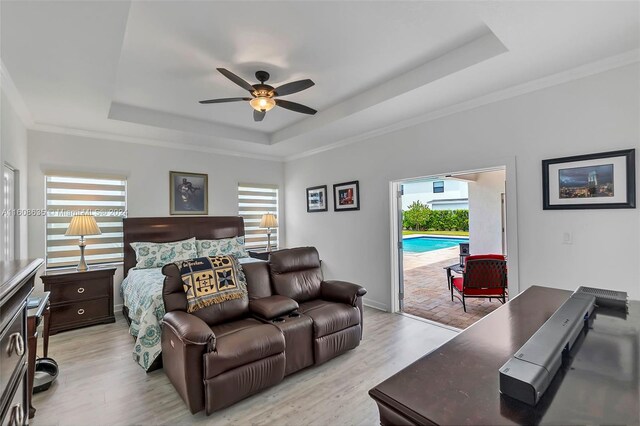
[[458, 383], [16, 283], [79, 299]]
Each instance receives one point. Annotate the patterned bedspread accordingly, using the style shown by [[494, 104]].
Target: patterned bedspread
[[142, 294]]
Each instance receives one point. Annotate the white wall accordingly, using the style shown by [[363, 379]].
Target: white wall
[[596, 113], [13, 150], [485, 212], [147, 170]]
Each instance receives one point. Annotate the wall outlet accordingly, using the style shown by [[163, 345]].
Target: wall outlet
[[567, 238]]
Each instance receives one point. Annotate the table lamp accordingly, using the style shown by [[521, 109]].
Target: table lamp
[[81, 225], [268, 221]]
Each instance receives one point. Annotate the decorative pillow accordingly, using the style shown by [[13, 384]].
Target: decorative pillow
[[222, 247], [212, 280], [156, 255]]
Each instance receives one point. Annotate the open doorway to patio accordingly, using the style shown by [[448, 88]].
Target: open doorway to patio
[[442, 220]]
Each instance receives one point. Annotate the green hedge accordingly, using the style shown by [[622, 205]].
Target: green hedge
[[420, 218]]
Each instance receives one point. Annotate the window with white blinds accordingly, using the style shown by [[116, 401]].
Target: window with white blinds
[[104, 198], [254, 200]]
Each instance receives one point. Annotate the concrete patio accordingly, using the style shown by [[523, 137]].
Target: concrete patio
[[426, 294]]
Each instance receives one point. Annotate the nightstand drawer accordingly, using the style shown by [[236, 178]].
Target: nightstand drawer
[[79, 313], [79, 290], [79, 299]]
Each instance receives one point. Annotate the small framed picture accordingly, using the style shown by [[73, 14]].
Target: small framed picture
[[188, 193], [606, 180], [317, 199], [346, 196]]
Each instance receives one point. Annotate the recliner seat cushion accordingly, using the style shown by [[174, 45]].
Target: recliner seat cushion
[[242, 342], [329, 317]]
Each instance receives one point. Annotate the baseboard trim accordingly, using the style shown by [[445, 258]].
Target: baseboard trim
[[375, 305]]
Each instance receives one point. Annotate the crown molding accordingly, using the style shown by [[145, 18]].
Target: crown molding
[[607, 64], [13, 95], [150, 142]]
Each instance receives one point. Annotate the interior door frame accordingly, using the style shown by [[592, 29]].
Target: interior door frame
[[513, 271], [11, 217]]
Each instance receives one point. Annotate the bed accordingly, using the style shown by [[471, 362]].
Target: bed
[[141, 290]]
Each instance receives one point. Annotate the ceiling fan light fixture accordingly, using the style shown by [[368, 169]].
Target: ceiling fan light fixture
[[262, 103]]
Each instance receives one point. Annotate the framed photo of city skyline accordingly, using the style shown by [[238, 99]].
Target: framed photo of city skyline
[[594, 181]]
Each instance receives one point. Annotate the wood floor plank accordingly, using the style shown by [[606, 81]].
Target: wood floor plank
[[99, 383]]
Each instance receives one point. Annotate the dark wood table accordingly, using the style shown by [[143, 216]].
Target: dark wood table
[[458, 383], [457, 268], [34, 318]]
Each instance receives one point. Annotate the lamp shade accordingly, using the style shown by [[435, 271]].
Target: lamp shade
[[268, 221], [83, 225]]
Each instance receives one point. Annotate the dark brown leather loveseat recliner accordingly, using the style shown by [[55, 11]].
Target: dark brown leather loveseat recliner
[[292, 319]]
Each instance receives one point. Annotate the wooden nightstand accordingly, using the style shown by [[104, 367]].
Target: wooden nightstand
[[79, 299]]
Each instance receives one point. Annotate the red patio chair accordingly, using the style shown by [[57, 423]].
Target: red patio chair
[[484, 276]]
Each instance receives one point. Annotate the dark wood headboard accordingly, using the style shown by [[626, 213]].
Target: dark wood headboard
[[167, 229]]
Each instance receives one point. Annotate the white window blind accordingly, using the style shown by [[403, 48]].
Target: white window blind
[[104, 198], [254, 200]]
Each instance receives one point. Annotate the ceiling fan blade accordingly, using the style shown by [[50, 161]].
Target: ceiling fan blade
[[237, 80], [258, 115], [293, 106], [219, 101], [293, 87]]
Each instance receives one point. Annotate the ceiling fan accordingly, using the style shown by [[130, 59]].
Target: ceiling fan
[[264, 95]]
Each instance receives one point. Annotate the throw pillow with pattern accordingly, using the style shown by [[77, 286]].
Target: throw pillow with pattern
[[222, 247], [156, 255]]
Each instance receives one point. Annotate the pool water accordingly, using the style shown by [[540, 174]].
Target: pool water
[[424, 244]]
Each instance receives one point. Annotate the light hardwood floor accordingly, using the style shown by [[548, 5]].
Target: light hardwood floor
[[99, 383]]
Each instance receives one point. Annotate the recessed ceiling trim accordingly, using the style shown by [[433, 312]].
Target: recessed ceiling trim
[[607, 64], [137, 115], [478, 50], [97, 135]]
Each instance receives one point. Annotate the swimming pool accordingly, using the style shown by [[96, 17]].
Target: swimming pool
[[424, 244]]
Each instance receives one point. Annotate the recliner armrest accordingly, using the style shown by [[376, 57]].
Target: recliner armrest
[[190, 329], [341, 291], [272, 307]]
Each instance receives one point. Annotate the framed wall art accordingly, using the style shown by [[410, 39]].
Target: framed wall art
[[317, 199], [188, 193], [346, 196], [605, 180]]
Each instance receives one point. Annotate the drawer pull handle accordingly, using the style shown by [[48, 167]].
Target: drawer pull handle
[[80, 311], [81, 290], [16, 344], [17, 415]]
